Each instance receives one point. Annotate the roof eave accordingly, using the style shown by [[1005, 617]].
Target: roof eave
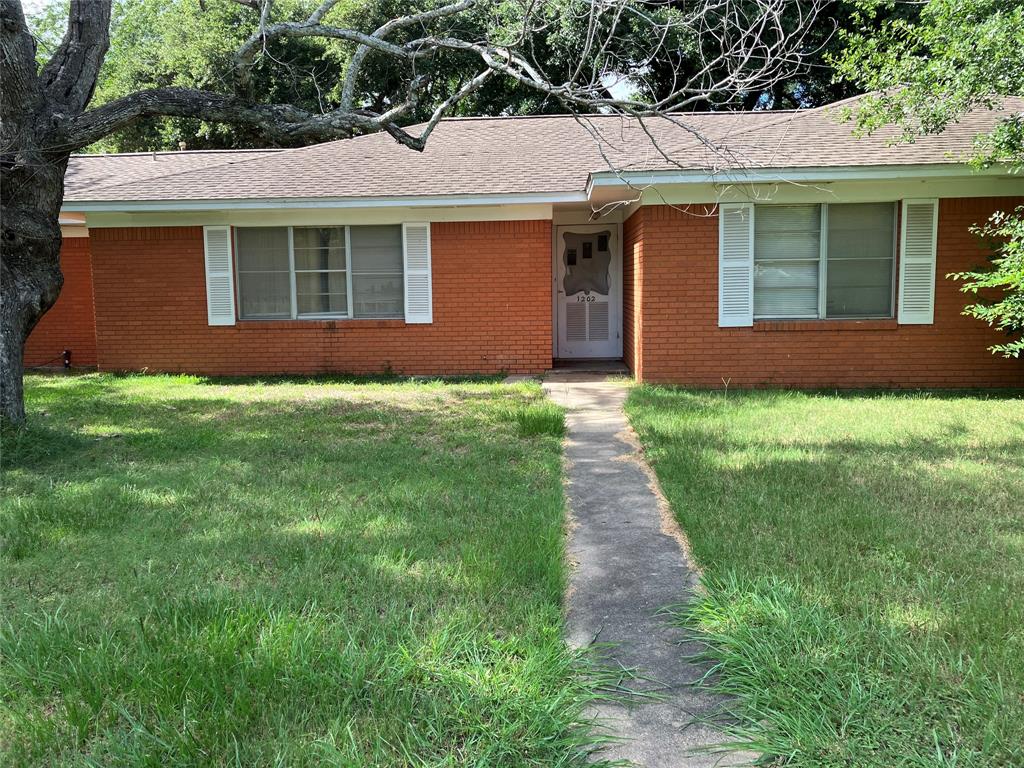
[[410, 201], [788, 175]]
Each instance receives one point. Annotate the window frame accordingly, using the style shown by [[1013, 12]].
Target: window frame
[[378, 272], [237, 273], [823, 265], [349, 314], [821, 258], [296, 315]]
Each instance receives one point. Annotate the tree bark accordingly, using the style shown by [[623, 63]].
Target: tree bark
[[30, 276], [31, 191]]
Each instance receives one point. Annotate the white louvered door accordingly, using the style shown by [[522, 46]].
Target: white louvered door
[[588, 291]]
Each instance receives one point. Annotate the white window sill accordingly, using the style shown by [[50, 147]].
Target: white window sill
[[878, 324]]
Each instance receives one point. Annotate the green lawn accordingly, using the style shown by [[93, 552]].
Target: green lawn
[[296, 573], [864, 563]]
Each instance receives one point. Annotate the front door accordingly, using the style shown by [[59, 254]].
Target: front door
[[588, 291]]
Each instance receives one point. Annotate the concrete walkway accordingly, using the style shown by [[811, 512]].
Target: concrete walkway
[[629, 563]]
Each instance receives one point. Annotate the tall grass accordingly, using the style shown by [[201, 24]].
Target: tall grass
[[288, 573], [863, 563]]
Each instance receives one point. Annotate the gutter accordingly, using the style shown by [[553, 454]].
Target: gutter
[[242, 204], [605, 179]]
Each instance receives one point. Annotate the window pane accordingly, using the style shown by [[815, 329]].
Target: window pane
[[378, 295], [861, 252], [322, 304], [319, 247], [319, 237], [262, 249], [320, 258], [861, 230], [264, 294], [787, 232], [786, 289], [320, 282], [859, 288], [378, 288], [264, 286], [376, 249]]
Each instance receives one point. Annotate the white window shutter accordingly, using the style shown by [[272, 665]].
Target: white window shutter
[[220, 284], [416, 247], [918, 235], [735, 265]]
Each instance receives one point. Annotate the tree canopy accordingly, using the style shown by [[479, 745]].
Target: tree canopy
[[188, 43]]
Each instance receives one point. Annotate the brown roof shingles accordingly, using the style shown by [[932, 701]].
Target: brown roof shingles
[[496, 156], [89, 172]]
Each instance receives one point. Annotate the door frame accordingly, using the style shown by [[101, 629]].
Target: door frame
[[615, 280]]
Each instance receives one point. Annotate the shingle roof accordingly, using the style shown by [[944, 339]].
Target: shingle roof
[[89, 172], [545, 154]]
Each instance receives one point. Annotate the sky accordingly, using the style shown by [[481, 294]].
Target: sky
[[32, 6]]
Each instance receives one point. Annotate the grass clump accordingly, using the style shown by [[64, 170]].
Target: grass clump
[[291, 573], [863, 563], [540, 417]]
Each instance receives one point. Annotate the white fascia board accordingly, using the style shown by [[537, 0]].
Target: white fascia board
[[436, 201], [789, 175]]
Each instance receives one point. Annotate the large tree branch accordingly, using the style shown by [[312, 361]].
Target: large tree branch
[[69, 77], [355, 65], [276, 121], [17, 67]]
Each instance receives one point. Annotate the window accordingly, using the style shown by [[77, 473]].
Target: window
[[787, 260], [264, 274], [377, 279], [861, 244], [824, 261], [319, 272]]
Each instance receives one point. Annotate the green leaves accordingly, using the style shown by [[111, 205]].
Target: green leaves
[[1003, 309]]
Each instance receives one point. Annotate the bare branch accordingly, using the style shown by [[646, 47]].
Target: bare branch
[[355, 66], [313, 27]]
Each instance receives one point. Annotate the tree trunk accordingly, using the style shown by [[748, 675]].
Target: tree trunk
[[30, 276], [35, 109]]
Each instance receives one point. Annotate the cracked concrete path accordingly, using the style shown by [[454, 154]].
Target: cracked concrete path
[[629, 564]]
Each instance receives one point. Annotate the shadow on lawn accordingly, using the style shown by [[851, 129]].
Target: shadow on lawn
[[286, 379], [307, 473], [61, 428], [669, 392]]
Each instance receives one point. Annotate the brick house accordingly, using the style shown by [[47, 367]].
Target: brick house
[[775, 249]]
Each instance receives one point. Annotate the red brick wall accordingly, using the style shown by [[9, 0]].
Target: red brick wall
[[492, 310], [70, 323], [632, 280], [677, 333]]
